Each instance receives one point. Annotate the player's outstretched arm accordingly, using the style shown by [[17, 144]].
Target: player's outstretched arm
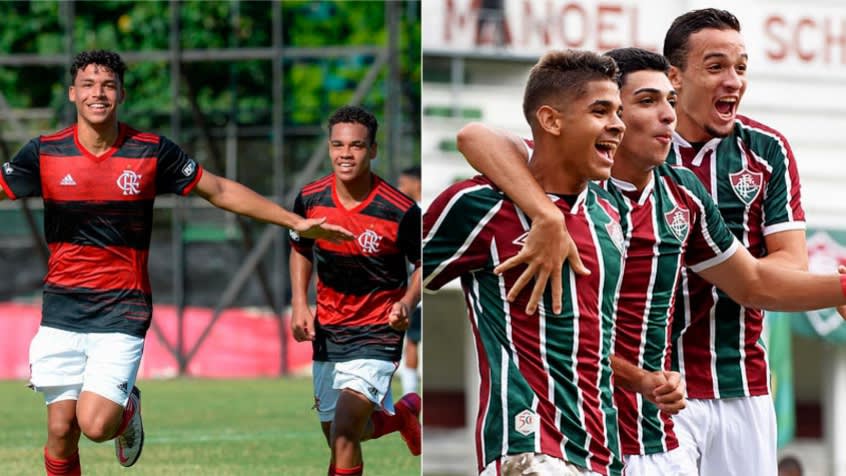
[[663, 388], [502, 157], [234, 197], [401, 310], [302, 320], [762, 284], [787, 249]]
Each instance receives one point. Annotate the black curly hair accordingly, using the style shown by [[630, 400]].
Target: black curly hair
[[356, 115], [108, 59]]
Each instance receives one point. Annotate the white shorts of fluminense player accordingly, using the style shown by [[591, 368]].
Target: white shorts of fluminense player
[[369, 377], [729, 436], [534, 463], [668, 463], [63, 364]]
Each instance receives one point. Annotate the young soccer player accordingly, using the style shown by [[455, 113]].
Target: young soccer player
[[98, 179], [670, 221], [364, 295], [546, 398]]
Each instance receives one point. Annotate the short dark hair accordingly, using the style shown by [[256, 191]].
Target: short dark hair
[[357, 115], [413, 171], [565, 71], [676, 41], [632, 60], [108, 59]]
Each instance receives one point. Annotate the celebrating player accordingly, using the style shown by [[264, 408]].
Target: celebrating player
[[545, 400], [364, 296], [669, 220], [98, 179]]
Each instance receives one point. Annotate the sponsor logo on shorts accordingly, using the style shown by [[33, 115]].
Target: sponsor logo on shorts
[[294, 235], [316, 405], [373, 391], [123, 387], [526, 422], [7, 167]]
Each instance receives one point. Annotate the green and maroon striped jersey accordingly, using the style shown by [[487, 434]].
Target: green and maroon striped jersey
[[671, 224], [752, 177], [545, 378]]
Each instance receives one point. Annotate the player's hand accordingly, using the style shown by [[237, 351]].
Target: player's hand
[[398, 317], [318, 229], [841, 309], [547, 246], [665, 389], [302, 324]]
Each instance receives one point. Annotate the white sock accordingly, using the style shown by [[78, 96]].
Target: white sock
[[409, 379]]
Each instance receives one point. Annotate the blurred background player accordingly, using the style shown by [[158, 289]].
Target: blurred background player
[[409, 184], [98, 179], [364, 295]]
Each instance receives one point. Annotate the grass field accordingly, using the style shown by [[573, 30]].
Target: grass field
[[207, 427]]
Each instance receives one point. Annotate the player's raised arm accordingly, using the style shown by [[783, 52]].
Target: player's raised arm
[[766, 285], [502, 157], [234, 197]]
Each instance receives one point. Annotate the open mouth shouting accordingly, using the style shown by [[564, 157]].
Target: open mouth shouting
[[726, 108]]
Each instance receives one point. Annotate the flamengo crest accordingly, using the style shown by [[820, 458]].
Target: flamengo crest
[[678, 219], [369, 241], [746, 184], [129, 182]]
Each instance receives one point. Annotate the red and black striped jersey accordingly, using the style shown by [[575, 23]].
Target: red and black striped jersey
[[358, 281], [98, 215]]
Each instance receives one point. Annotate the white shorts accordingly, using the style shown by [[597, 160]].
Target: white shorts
[[729, 436], [369, 377], [63, 364], [669, 463], [534, 464]]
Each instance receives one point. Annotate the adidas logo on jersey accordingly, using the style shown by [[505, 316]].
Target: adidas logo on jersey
[[68, 180]]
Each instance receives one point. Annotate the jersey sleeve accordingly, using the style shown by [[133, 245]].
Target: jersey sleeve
[[302, 245], [408, 237], [456, 235], [21, 176], [176, 172], [782, 200], [710, 242]]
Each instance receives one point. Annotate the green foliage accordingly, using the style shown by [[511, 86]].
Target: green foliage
[[313, 87]]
